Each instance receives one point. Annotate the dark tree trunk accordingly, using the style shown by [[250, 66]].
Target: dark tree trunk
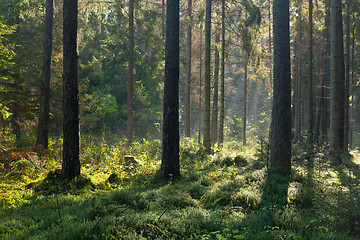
[[215, 112], [280, 154], [337, 83], [324, 123], [222, 83], [321, 110], [347, 79], [130, 123], [170, 166], [352, 85], [207, 143], [43, 127], [71, 130], [200, 83], [309, 141], [188, 72], [298, 77]]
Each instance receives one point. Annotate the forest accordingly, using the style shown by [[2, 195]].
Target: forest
[[179, 119]]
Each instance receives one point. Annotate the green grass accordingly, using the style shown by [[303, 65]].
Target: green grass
[[216, 198]]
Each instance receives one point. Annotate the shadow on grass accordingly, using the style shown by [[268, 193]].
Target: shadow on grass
[[348, 196]]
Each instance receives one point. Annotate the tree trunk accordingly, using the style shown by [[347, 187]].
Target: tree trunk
[[352, 85], [280, 154], [321, 115], [71, 129], [347, 79], [43, 127], [200, 83], [298, 77], [170, 165], [130, 119], [324, 123], [270, 82], [245, 96], [336, 83], [214, 120], [188, 71], [309, 141], [222, 83], [207, 143]]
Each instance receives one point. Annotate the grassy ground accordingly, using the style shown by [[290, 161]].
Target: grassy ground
[[226, 195]]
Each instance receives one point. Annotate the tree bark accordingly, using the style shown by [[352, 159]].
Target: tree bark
[[321, 115], [245, 96], [71, 129], [222, 83], [336, 83], [170, 165], [280, 154], [215, 112], [130, 119], [347, 79], [43, 126], [352, 85], [270, 82], [207, 143], [200, 83], [298, 77], [309, 141], [188, 72]]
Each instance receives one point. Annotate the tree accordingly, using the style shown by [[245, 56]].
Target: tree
[[207, 143], [170, 166], [337, 82], [321, 115], [130, 123], [222, 84], [200, 83], [298, 76], [280, 153], [188, 71], [310, 83], [215, 109], [71, 130], [43, 127], [347, 79]]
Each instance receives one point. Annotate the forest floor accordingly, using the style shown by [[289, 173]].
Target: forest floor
[[219, 196]]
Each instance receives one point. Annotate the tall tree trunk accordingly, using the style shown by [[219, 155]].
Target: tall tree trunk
[[188, 71], [214, 120], [321, 116], [280, 154], [43, 126], [130, 119], [222, 83], [270, 82], [200, 83], [245, 96], [207, 143], [170, 165], [347, 79], [336, 83], [352, 85], [71, 128], [298, 77], [324, 123], [309, 141]]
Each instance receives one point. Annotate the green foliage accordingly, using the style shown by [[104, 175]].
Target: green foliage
[[212, 200]]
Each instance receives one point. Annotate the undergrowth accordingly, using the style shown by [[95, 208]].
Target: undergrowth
[[225, 195]]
